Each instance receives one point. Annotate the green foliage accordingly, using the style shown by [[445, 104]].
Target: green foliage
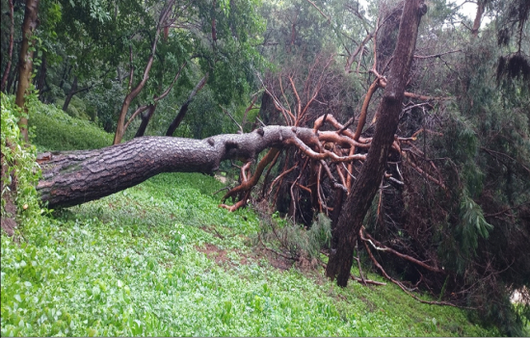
[[99, 42], [297, 240], [473, 224], [480, 221], [133, 263], [162, 259], [77, 108], [148, 262], [56, 130], [18, 162]]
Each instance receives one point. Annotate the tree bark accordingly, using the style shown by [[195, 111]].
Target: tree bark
[[26, 60], [478, 18], [365, 187], [120, 129], [40, 78], [72, 178]]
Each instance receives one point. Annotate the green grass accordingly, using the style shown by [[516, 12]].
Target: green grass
[[133, 264]]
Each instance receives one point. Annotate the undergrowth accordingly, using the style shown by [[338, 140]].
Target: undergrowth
[[20, 172], [161, 259], [135, 264], [53, 129]]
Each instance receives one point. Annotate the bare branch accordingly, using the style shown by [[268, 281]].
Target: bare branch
[[421, 57], [320, 11]]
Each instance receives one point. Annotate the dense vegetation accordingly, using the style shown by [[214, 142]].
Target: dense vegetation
[[450, 220], [161, 259]]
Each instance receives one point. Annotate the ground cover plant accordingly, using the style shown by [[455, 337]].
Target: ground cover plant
[[162, 259]]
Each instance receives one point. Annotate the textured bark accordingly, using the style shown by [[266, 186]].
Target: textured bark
[[25, 63], [120, 129], [478, 18], [40, 78], [72, 178], [365, 187]]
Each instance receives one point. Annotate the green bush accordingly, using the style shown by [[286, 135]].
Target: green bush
[[77, 108], [18, 163], [56, 130]]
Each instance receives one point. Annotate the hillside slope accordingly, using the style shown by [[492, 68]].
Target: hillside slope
[[161, 259]]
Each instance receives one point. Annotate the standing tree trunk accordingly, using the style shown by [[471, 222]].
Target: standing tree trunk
[[40, 78], [71, 94], [26, 61], [146, 117], [478, 17], [182, 111], [365, 187], [120, 129]]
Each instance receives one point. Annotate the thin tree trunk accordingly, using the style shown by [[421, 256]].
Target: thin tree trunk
[[26, 61], [10, 53], [146, 117], [11, 86], [71, 93], [40, 78], [66, 73], [182, 111], [478, 18], [120, 129], [366, 185]]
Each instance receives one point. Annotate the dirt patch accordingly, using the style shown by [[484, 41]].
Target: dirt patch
[[220, 256], [274, 259], [307, 264], [214, 253], [279, 261], [9, 225]]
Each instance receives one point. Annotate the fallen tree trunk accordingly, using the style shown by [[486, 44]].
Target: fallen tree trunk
[[72, 178]]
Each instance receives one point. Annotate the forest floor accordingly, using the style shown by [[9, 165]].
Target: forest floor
[[162, 259]]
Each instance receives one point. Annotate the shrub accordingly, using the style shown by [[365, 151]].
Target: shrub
[[20, 171], [56, 130]]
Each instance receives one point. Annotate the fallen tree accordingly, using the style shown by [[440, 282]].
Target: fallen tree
[[71, 178]]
